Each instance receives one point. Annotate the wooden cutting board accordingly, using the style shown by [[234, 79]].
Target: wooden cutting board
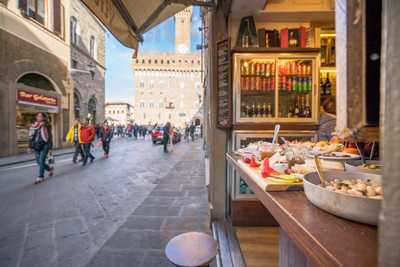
[[255, 174]]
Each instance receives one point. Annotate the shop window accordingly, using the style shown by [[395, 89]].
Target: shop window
[[93, 47], [37, 81]]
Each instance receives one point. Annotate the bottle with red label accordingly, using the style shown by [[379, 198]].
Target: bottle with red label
[[257, 86]]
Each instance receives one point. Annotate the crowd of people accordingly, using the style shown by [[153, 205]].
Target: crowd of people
[[84, 135]]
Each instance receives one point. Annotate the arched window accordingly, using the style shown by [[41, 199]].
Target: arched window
[[92, 108], [77, 106], [37, 81], [93, 47], [74, 29]]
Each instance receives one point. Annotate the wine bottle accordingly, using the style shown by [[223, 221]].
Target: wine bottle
[[246, 35], [269, 110], [302, 107], [248, 111], [297, 108], [243, 110], [264, 110], [292, 40], [253, 77], [308, 108]]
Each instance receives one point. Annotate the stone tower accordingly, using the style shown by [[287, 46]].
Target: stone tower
[[183, 22]]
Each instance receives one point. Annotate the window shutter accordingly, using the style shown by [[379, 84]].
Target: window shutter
[[57, 16], [22, 4]]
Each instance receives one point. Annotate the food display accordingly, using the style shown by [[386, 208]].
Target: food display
[[277, 164], [356, 196], [355, 187]]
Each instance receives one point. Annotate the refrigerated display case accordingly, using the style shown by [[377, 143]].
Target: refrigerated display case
[[241, 138], [276, 87]]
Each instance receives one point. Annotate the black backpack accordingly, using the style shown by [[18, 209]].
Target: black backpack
[[36, 142]]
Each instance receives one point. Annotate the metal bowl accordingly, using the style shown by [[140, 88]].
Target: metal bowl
[[359, 209], [355, 166]]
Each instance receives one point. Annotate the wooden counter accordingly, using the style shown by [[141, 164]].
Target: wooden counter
[[325, 240]]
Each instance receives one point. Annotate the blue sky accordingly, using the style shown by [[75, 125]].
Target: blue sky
[[119, 76]]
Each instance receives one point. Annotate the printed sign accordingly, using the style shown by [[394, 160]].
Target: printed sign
[[28, 97]]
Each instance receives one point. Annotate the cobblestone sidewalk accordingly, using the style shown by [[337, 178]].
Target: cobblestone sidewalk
[[176, 205]]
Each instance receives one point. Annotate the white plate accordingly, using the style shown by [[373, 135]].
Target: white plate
[[340, 156]]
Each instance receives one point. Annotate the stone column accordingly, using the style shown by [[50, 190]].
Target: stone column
[[216, 138], [349, 59], [389, 228]]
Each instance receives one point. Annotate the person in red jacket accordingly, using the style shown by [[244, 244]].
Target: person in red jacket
[[88, 134]]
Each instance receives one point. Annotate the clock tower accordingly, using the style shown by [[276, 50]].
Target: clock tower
[[183, 23]]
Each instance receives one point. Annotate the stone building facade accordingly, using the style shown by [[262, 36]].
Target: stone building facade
[[87, 65], [119, 113], [168, 86], [34, 76]]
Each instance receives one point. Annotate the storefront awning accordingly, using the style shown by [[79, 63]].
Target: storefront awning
[[128, 20]]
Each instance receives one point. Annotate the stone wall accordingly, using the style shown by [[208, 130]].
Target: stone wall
[[85, 85], [18, 57], [167, 78]]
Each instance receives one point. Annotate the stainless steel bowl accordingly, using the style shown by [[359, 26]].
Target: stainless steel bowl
[[359, 209], [355, 166]]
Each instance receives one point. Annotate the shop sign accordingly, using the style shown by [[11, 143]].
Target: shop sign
[[38, 99]]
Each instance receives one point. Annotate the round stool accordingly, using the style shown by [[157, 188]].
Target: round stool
[[192, 249]]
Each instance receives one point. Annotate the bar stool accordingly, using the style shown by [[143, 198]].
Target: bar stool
[[192, 249]]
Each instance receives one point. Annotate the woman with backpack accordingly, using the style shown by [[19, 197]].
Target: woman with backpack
[[41, 142]]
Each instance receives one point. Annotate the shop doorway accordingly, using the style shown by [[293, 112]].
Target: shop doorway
[[35, 94]]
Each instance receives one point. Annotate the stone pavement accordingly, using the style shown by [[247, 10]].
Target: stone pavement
[[5, 161], [176, 205], [115, 212]]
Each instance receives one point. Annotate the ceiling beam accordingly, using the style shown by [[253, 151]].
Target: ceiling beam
[[128, 18], [154, 16], [205, 3]]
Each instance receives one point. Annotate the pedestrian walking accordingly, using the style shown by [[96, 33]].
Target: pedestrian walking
[[88, 134], [166, 136], [106, 135], [74, 137], [192, 128], [41, 142], [187, 132]]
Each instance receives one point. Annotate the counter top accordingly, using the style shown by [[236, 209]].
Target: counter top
[[326, 239]]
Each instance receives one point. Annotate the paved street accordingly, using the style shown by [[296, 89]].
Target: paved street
[[119, 211]]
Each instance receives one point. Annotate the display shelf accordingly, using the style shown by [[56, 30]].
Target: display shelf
[[274, 50], [255, 93]]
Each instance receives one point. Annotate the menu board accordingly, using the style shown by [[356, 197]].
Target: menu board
[[224, 92]]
